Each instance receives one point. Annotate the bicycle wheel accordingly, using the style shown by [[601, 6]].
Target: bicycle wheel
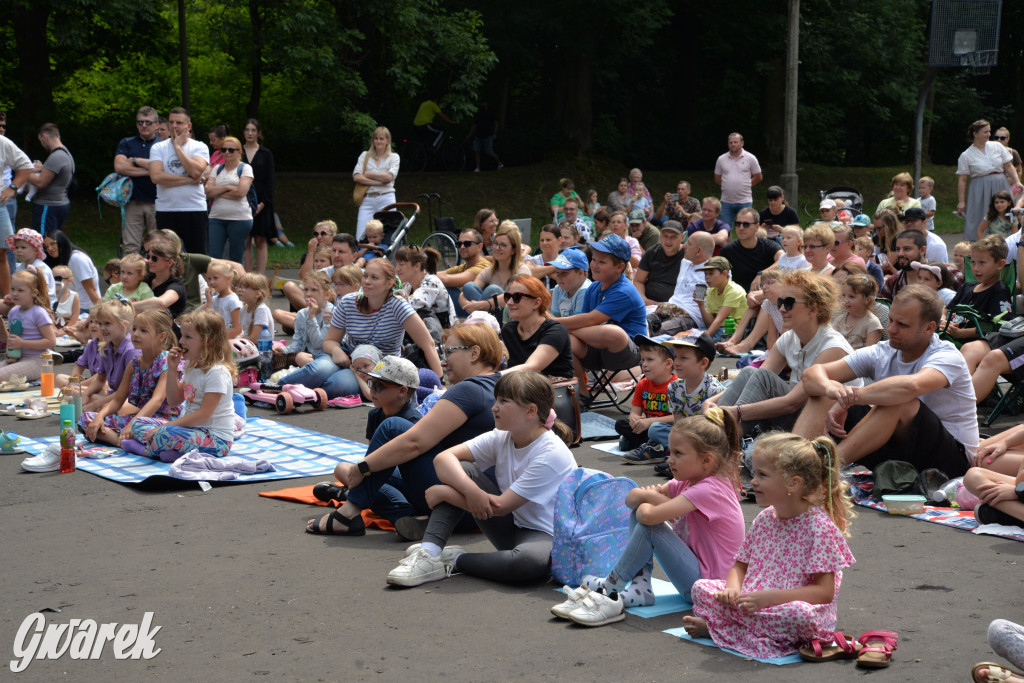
[[414, 156], [445, 245], [453, 156]]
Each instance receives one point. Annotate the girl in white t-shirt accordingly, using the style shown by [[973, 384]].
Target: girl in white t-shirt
[[515, 508], [692, 525], [255, 315], [793, 246], [207, 422], [221, 299]]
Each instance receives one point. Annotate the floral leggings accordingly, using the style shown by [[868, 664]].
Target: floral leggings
[[1007, 640], [169, 442]]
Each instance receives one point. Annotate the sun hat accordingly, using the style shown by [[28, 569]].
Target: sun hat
[[30, 236]]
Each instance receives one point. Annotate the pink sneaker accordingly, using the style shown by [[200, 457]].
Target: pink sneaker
[[346, 401]]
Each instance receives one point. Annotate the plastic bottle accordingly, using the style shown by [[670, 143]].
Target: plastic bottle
[[947, 492], [46, 378], [67, 447], [16, 329], [67, 405], [265, 345], [75, 386], [729, 325]]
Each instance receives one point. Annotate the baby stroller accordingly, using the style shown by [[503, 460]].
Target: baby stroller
[[396, 225], [850, 195]]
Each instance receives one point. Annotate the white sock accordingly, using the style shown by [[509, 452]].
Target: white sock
[[433, 549], [640, 592]]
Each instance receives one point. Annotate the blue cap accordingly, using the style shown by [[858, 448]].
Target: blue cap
[[862, 220], [571, 258], [614, 245]]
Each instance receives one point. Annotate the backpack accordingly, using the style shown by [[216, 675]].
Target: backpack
[[251, 194], [591, 524], [116, 190]]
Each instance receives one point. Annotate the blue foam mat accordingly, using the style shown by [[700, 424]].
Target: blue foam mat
[[680, 632]]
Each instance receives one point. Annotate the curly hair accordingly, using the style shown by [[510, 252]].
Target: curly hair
[[819, 292]]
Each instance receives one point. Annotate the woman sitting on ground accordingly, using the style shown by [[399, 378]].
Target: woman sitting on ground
[[535, 341], [61, 251], [549, 241], [486, 293], [473, 355], [417, 269]]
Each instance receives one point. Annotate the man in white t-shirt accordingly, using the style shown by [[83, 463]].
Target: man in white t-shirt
[[736, 172], [920, 407], [696, 252], [176, 167], [915, 219]]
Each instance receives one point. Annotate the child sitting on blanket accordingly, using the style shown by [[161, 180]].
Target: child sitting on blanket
[[782, 591], [207, 420], [32, 328], [253, 290], [219, 297], [311, 324], [114, 321], [131, 282], [141, 396], [89, 360], [68, 305], [704, 530]]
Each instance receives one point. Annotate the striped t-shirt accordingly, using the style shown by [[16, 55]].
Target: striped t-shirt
[[382, 328]]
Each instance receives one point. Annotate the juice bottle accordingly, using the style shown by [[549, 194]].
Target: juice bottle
[[46, 378], [67, 447]]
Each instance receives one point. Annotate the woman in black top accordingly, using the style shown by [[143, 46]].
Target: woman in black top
[[263, 226], [164, 264], [534, 340]]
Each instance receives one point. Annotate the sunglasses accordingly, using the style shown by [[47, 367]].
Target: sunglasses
[[1001, 137], [517, 296], [743, 224], [228, 150], [447, 350], [140, 124], [466, 244], [153, 258], [813, 246], [58, 278], [378, 385], [787, 303]]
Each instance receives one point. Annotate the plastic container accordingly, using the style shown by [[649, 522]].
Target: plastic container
[[897, 504], [265, 345], [46, 377], [948, 492], [67, 447]]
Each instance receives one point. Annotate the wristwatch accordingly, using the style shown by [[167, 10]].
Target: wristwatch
[[14, 187], [363, 467], [1019, 490]]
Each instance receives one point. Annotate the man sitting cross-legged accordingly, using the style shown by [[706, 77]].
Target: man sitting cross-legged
[[920, 407]]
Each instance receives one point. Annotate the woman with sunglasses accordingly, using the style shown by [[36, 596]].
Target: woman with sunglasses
[[534, 340], [486, 292], [759, 397], [61, 251], [472, 355], [165, 265], [230, 213]]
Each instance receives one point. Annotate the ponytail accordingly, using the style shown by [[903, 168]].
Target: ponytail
[[837, 497]]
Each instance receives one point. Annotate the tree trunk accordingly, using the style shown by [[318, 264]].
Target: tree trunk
[[252, 109], [33, 49], [574, 107]]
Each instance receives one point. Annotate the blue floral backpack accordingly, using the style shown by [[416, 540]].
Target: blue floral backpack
[[591, 524], [116, 190]]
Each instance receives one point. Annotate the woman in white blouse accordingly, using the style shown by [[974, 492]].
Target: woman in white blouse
[[988, 164], [378, 168]]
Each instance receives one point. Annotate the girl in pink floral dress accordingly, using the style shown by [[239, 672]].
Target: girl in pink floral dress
[[782, 591]]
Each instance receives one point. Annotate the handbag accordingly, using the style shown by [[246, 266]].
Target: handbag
[[567, 406], [360, 190]]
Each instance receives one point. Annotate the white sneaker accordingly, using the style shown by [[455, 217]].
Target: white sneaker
[[573, 600], [47, 461], [448, 553], [597, 609], [419, 568]]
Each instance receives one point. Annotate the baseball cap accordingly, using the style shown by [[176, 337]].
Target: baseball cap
[[675, 226], [637, 216], [569, 259], [396, 370], [697, 339], [862, 221], [717, 263], [827, 204], [914, 212], [644, 340], [614, 245]]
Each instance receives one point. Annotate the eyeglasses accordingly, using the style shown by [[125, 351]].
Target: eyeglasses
[[466, 244], [516, 297], [3, 126], [140, 124], [813, 246], [447, 350], [743, 224], [378, 385], [787, 303], [228, 150], [1001, 137]]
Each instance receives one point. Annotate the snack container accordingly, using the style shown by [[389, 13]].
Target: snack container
[[903, 504]]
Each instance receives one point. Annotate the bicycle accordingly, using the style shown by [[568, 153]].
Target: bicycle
[[447, 155]]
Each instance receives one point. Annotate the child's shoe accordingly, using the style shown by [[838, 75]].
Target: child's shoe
[[649, 453], [598, 609]]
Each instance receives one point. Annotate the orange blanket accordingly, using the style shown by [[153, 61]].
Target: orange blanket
[[304, 494]]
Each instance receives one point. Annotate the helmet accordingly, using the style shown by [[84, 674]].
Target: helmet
[[242, 350]]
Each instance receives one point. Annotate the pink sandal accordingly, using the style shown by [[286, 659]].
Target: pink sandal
[[840, 647], [876, 649]]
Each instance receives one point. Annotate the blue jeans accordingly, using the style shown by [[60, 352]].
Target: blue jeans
[[323, 372], [658, 541], [729, 212], [49, 217], [453, 292], [234, 233], [658, 431], [474, 293]]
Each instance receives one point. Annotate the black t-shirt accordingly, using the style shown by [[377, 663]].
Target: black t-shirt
[[474, 397], [991, 302], [174, 284], [484, 121], [747, 263], [409, 411], [551, 333], [788, 216], [662, 272]]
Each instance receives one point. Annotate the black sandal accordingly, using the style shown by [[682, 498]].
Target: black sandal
[[348, 527], [328, 491]]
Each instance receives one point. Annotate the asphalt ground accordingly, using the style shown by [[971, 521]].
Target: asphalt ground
[[239, 590]]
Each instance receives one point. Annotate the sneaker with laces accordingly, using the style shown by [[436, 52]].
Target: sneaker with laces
[[574, 596], [598, 609], [649, 453], [419, 568], [47, 461], [448, 553]]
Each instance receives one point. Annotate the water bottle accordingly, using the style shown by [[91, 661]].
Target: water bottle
[[16, 329], [729, 325], [75, 385], [947, 492], [67, 447], [265, 345], [46, 375]]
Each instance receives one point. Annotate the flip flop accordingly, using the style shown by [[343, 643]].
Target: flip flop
[[348, 527], [840, 647], [8, 409], [996, 672], [14, 384], [876, 649]]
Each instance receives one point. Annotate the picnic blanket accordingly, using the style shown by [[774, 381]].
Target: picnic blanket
[[304, 494], [597, 426], [680, 632], [17, 398], [294, 452]]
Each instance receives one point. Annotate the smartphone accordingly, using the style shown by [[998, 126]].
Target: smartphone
[[768, 221], [700, 292]]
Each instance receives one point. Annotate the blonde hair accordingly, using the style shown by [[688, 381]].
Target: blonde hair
[[135, 261], [720, 441], [491, 351], [323, 282], [210, 327], [63, 271], [221, 268], [257, 282], [373, 225], [350, 275], [511, 231], [158, 320], [387, 134], [817, 465], [35, 280], [962, 245], [820, 292], [330, 225], [114, 310]]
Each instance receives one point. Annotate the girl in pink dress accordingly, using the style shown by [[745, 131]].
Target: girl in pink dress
[[782, 591]]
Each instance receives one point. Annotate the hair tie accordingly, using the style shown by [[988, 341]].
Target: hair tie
[[549, 423], [716, 415]]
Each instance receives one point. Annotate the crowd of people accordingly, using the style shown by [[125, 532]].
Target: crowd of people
[[867, 357]]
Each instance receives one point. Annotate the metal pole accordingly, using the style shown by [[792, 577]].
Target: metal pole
[[922, 97], [183, 48], [789, 177]]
